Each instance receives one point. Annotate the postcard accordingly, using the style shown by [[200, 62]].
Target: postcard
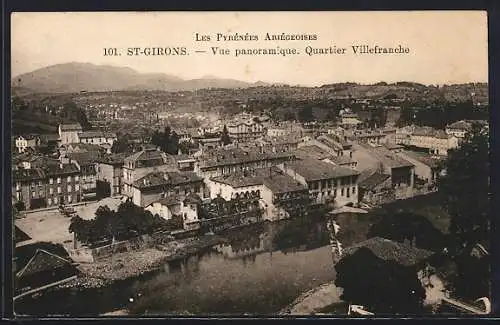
[[250, 163]]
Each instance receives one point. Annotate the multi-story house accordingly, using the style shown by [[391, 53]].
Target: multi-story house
[[55, 184], [247, 129], [29, 188], [86, 163], [159, 184], [326, 183], [383, 161], [280, 195], [436, 141], [142, 163], [461, 128], [220, 162], [63, 184], [68, 133], [110, 170]]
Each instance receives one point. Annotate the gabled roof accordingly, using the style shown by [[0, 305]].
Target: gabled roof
[[148, 154], [313, 170], [84, 158], [373, 181], [31, 174], [166, 178], [388, 250], [41, 261]]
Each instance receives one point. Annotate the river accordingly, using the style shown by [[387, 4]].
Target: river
[[263, 268]]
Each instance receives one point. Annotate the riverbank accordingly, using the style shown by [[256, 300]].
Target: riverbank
[[314, 300], [126, 265]]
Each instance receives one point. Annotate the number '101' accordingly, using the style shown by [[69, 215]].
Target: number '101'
[[111, 51]]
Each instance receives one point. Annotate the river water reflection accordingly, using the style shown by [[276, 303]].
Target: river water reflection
[[264, 268]]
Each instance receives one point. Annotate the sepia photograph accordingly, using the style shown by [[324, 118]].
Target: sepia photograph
[[243, 164]]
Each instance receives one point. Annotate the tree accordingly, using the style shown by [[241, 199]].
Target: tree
[[120, 145], [331, 116], [379, 285], [225, 136], [172, 146], [306, 114], [465, 190], [407, 226], [289, 116]]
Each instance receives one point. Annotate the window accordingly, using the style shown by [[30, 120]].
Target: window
[[55, 200], [354, 190], [33, 194], [18, 196], [32, 184], [51, 190], [77, 187], [342, 192], [39, 183], [51, 180], [335, 193], [58, 189], [40, 193], [18, 186], [70, 198], [69, 179], [348, 192], [69, 188], [49, 201], [59, 180], [76, 178]]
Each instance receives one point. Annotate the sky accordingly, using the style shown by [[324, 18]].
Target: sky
[[444, 46]]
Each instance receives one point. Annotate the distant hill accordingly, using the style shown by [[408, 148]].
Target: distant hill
[[75, 77]]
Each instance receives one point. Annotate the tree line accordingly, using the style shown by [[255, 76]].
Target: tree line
[[128, 221]]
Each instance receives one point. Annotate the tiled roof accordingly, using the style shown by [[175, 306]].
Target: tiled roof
[[166, 178], [283, 184], [425, 158], [313, 152], [71, 127], [170, 200], [460, 125], [313, 170], [81, 147], [96, 134], [386, 157], [149, 154], [372, 181], [43, 261], [31, 174], [237, 180], [117, 158], [220, 157], [67, 169], [389, 250], [273, 178], [429, 132], [341, 160], [84, 158]]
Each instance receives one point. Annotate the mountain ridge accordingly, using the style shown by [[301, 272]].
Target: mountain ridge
[[77, 76]]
